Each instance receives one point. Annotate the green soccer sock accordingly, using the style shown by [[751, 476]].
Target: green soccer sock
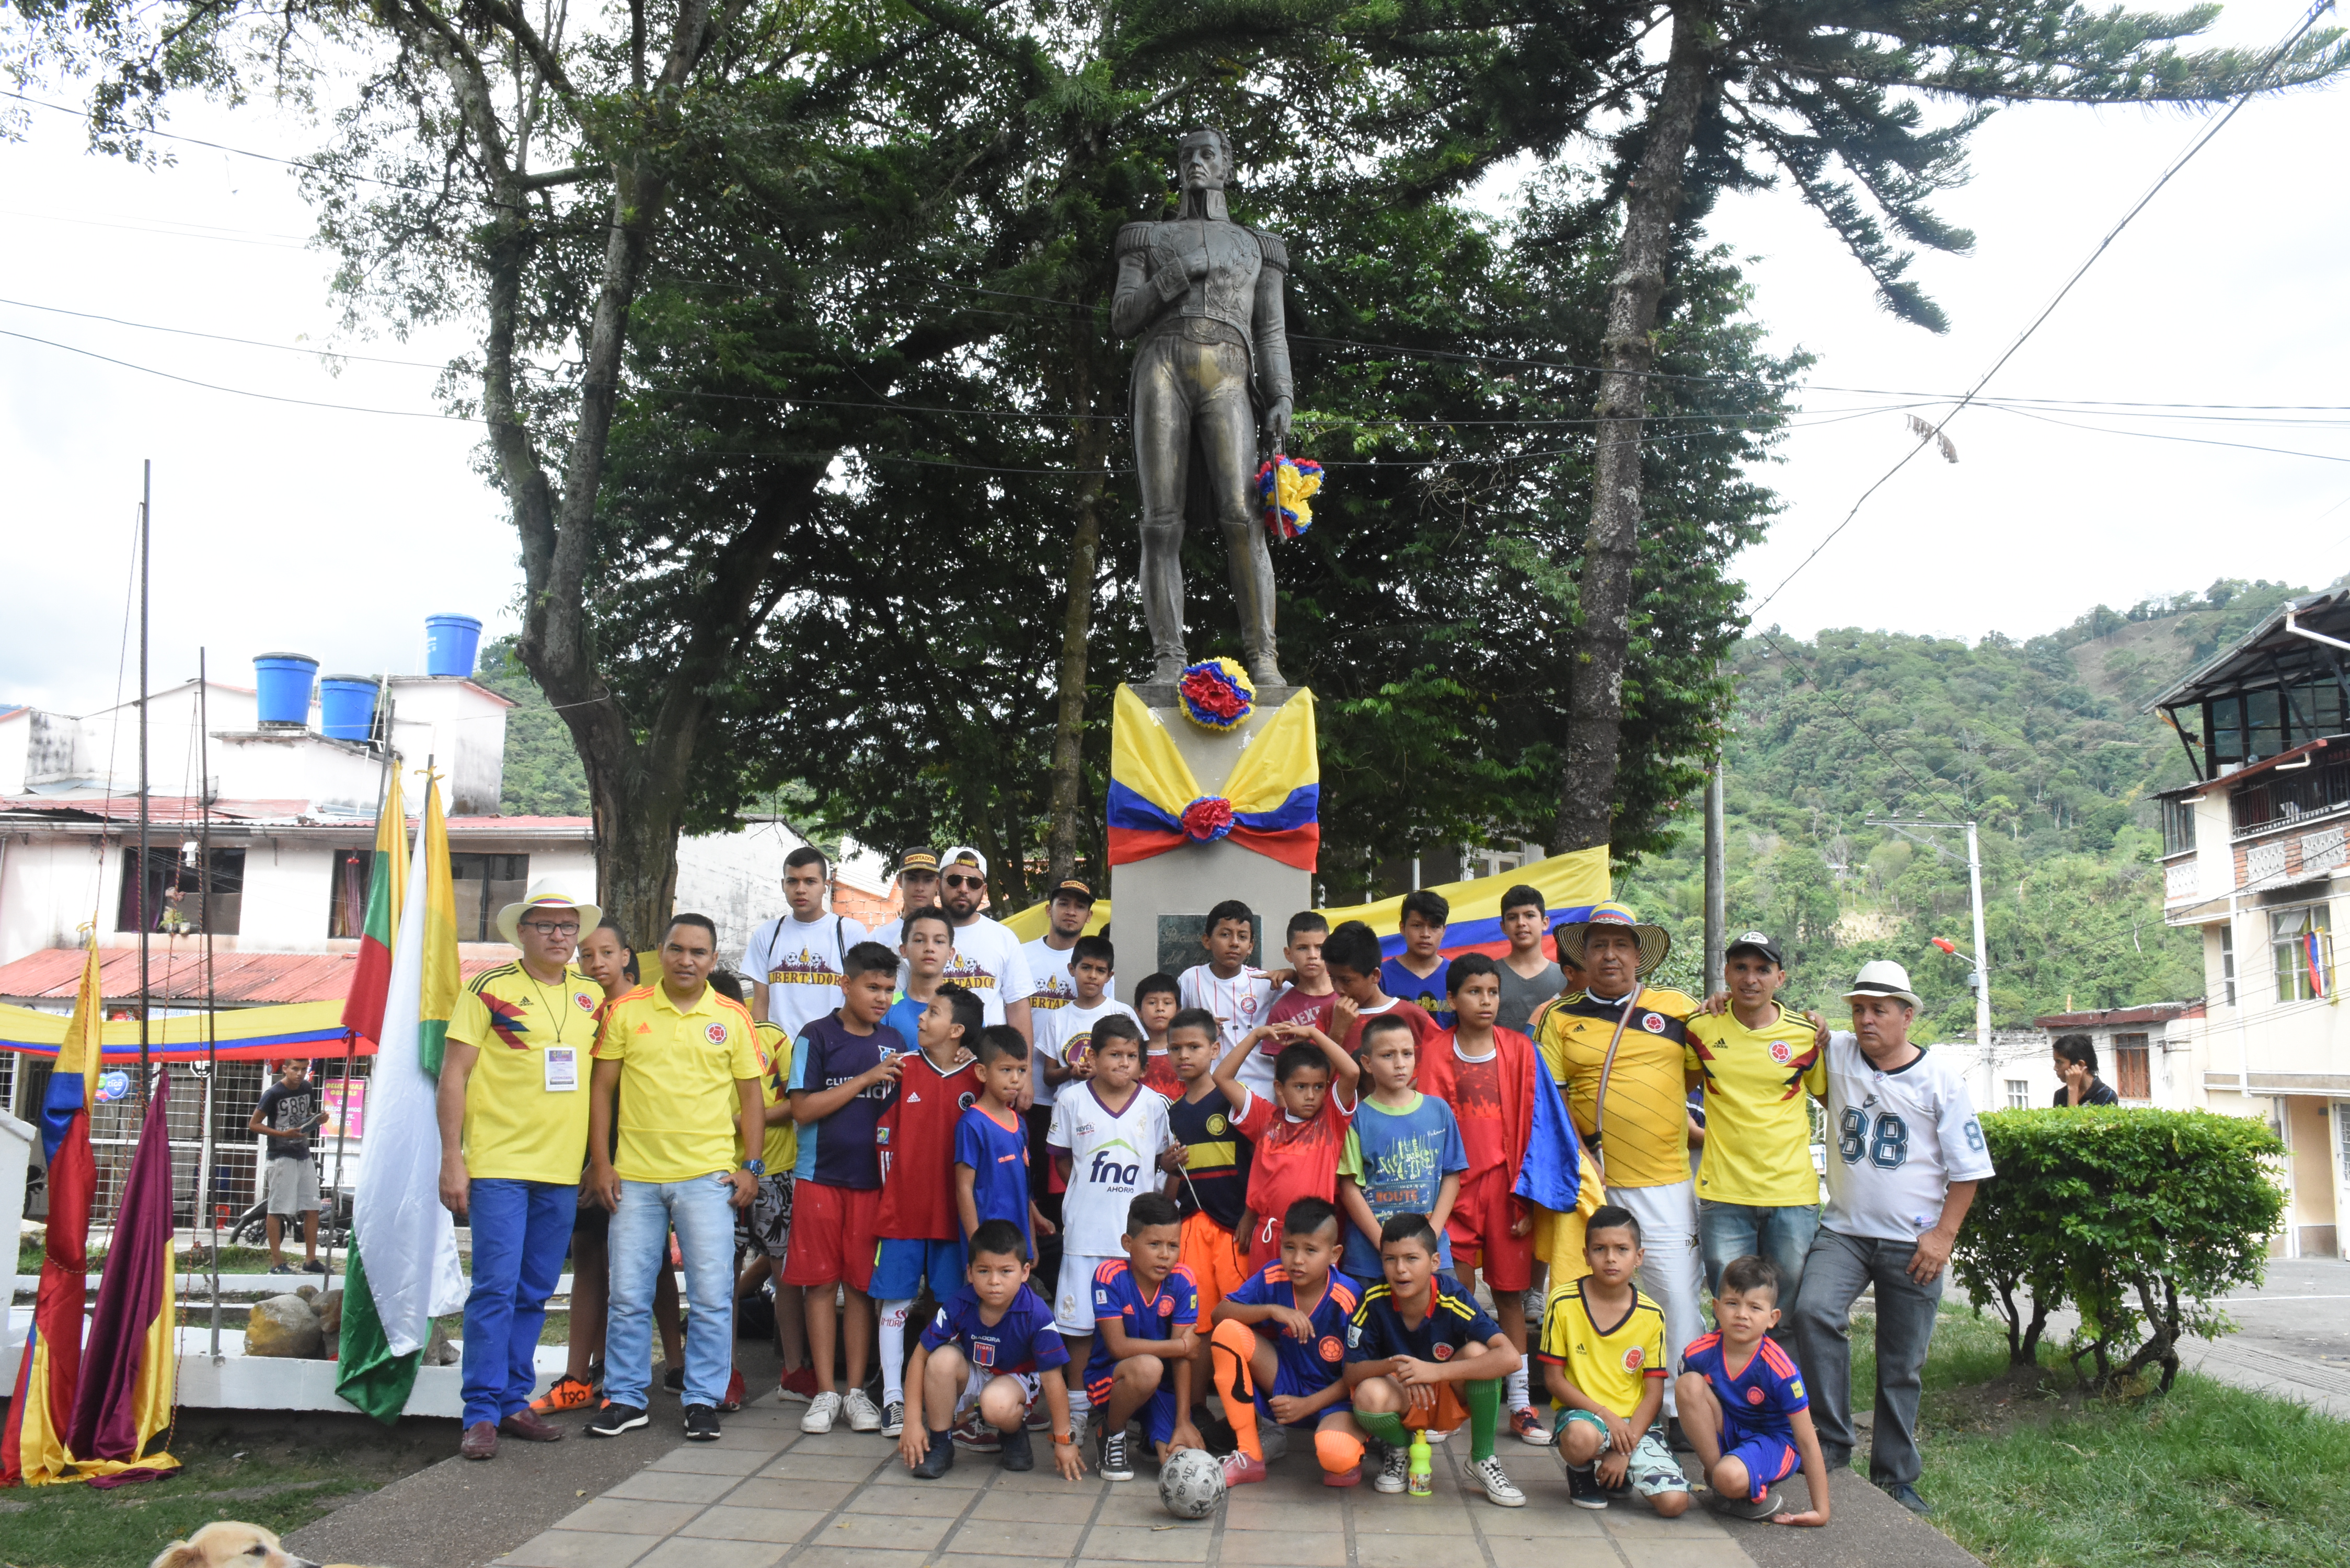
[[1384, 1425], [1484, 1402]]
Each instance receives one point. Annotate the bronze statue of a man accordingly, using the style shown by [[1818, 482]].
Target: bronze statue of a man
[[1204, 293]]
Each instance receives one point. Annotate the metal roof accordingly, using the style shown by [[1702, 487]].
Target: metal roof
[[2101, 1018], [2246, 661], [183, 811], [176, 975]]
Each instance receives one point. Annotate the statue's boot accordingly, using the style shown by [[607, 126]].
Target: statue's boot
[[1162, 596]]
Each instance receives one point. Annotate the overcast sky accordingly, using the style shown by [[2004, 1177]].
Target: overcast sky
[[334, 533]]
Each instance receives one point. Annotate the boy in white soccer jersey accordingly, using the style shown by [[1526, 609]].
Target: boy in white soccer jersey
[[1107, 1134], [1227, 985], [1905, 1156]]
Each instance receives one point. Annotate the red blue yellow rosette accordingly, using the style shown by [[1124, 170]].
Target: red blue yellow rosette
[[1283, 488], [1271, 802], [1216, 694]]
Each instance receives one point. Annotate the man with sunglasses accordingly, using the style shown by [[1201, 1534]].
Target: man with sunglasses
[[514, 1132], [988, 961]]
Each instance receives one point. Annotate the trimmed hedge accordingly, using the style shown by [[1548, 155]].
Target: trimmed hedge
[[2141, 1219]]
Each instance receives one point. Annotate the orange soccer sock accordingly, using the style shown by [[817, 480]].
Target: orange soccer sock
[[1340, 1453], [1235, 1343]]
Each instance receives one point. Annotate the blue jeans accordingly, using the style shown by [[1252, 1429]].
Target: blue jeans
[[702, 1213], [1726, 1231], [521, 1229]]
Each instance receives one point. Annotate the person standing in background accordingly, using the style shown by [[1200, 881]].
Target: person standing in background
[[1072, 906], [2076, 1065], [794, 961], [1528, 978], [988, 959], [918, 889], [288, 1111]]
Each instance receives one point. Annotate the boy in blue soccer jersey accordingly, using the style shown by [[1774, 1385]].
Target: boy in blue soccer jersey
[[1743, 1406], [988, 1346], [1280, 1343], [990, 1144], [1415, 1336], [1146, 1315]]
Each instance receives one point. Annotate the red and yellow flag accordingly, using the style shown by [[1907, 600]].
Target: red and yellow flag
[[122, 1412]]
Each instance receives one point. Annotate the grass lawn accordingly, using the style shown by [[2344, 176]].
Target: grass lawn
[[277, 1472], [2030, 1476]]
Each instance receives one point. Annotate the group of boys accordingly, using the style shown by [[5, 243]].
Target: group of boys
[[1278, 1189]]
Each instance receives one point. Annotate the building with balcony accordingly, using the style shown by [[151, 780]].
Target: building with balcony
[[2254, 858]]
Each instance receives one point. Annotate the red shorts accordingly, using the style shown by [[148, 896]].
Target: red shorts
[[1479, 1232], [836, 1235]]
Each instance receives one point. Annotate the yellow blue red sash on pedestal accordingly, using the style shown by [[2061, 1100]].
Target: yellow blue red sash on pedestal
[[1272, 799]]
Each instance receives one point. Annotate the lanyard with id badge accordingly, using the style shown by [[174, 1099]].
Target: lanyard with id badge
[[559, 1062]]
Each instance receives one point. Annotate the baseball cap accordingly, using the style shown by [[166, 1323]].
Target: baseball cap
[[964, 855], [1070, 887], [1758, 942], [917, 860]]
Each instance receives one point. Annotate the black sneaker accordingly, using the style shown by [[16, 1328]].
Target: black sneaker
[[1763, 1507], [1907, 1496], [1016, 1454], [312, 1266], [938, 1458], [701, 1424], [614, 1419], [1583, 1487], [1114, 1463], [674, 1379]]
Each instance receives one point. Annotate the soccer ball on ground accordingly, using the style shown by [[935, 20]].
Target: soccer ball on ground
[[1191, 1483]]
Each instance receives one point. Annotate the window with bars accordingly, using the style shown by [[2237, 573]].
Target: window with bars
[[2133, 1075], [171, 896], [2228, 963], [2019, 1094], [2300, 941]]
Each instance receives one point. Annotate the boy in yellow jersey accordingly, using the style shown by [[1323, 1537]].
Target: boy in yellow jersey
[[1757, 1194], [1638, 1134], [681, 1062], [1603, 1359], [513, 1108]]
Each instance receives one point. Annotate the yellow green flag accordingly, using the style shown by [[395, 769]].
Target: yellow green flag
[[436, 1000]]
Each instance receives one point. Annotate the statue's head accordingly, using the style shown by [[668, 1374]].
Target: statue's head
[[1203, 160]]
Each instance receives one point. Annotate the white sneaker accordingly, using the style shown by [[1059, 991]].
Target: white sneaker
[[1499, 1489], [1395, 1471], [821, 1412], [864, 1416]]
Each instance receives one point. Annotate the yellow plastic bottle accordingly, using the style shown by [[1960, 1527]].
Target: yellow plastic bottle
[[1421, 1479]]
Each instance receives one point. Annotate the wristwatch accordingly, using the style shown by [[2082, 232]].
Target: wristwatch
[[1063, 1439], [755, 1166]]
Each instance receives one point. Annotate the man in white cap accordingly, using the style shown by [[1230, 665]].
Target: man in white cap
[[1905, 1154], [987, 960], [514, 1133]]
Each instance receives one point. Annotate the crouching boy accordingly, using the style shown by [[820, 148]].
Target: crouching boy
[[1420, 1353], [1742, 1402], [1603, 1359], [1146, 1320], [1279, 1344], [988, 1346]]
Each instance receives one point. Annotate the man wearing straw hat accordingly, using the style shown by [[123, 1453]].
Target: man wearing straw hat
[[1616, 1050], [1905, 1156], [513, 1133]]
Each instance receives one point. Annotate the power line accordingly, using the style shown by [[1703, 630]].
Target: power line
[[2308, 21], [310, 168]]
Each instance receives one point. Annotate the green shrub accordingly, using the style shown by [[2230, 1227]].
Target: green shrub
[[2141, 1219]]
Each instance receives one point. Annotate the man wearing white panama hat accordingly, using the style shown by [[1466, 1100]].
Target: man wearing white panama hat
[[1617, 1051], [513, 1133], [1905, 1156]]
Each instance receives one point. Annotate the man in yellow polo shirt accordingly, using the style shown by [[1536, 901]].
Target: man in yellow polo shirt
[[1638, 1133], [513, 1125], [682, 1061], [1763, 1063]]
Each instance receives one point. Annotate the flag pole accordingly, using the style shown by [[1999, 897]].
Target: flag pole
[[204, 1204]]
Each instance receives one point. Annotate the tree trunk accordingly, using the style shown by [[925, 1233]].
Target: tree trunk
[[1067, 800], [1611, 549]]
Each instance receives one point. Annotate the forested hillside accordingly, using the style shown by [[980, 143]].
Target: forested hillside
[[2041, 742], [542, 776]]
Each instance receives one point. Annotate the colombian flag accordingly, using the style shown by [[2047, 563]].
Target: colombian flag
[[1272, 801], [33, 1445], [122, 1414]]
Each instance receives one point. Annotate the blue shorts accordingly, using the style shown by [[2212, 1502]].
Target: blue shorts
[[1288, 1385], [1767, 1457], [900, 1267], [1158, 1413]]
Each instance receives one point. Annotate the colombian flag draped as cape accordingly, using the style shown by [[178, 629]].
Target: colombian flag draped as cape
[[33, 1445], [1272, 800], [403, 1259], [123, 1413]]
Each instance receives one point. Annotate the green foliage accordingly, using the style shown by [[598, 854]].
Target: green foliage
[[2042, 741], [2140, 1219], [542, 776]]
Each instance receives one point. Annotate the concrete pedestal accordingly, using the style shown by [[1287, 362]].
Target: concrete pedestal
[[1159, 907]]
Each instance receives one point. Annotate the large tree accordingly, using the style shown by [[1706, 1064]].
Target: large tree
[[1829, 95]]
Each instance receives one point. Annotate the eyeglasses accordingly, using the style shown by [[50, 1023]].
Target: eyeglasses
[[547, 928], [953, 881]]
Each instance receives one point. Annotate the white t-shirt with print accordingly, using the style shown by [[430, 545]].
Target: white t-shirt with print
[[987, 961], [799, 962], [1063, 1029], [1239, 1003], [1895, 1142], [1113, 1157], [1050, 971]]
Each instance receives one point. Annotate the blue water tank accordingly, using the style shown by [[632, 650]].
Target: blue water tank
[[282, 687], [346, 706], [451, 642]]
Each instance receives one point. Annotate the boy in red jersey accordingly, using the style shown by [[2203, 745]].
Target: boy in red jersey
[[1297, 1132], [1486, 1074], [919, 1226]]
